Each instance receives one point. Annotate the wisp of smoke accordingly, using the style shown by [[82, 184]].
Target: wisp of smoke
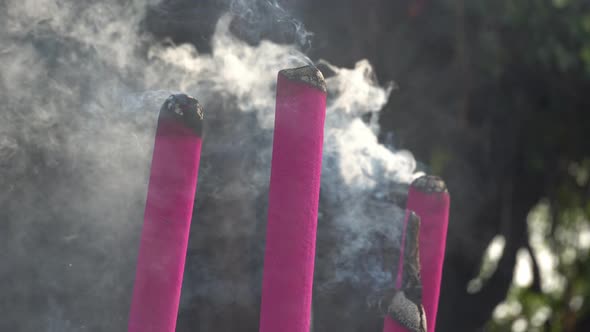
[[255, 18], [81, 84]]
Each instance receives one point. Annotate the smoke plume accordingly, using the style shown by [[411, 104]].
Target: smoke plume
[[81, 83]]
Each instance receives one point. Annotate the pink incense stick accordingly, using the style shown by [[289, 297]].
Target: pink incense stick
[[429, 198], [293, 201], [404, 310], [168, 212]]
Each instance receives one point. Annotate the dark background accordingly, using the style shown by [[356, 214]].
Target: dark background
[[492, 96]]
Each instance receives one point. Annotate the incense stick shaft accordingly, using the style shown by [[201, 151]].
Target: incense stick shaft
[[431, 202], [293, 206], [164, 237]]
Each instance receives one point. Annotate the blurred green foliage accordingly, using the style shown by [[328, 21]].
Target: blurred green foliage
[[548, 40], [493, 96]]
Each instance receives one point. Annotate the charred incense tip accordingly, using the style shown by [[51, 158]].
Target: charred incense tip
[[308, 74], [430, 184], [405, 305], [411, 281], [185, 109]]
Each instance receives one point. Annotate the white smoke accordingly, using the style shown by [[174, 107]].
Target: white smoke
[[81, 84]]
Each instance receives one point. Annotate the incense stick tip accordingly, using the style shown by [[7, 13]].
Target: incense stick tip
[[413, 217], [186, 109], [430, 184], [307, 74]]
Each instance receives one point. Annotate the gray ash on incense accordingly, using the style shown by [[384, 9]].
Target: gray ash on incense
[[307, 74], [405, 305], [411, 281], [185, 109], [430, 184], [407, 313]]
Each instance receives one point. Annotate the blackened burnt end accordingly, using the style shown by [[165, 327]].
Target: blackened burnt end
[[405, 305], [430, 184], [309, 75], [411, 280], [185, 109]]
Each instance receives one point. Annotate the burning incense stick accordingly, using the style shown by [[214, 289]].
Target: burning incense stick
[[293, 201], [168, 212], [404, 310], [429, 198]]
